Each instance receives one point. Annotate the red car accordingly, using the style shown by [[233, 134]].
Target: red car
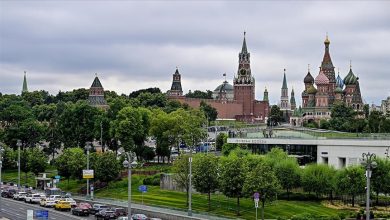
[[81, 209]]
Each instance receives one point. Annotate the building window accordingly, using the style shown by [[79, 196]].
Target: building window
[[342, 162]]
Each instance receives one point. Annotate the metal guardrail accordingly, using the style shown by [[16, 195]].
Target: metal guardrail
[[175, 213]]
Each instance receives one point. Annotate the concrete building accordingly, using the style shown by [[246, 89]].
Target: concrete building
[[385, 106], [338, 153]]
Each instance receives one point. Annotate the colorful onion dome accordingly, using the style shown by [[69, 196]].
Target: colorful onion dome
[[339, 81], [350, 79], [311, 90], [338, 90], [321, 79], [308, 78]]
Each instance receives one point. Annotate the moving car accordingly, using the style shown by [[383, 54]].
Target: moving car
[[105, 214], [20, 195], [71, 201], [81, 209], [56, 198], [139, 217], [8, 193], [96, 208], [35, 198], [62, 205], [47, 202], [27, 198], [120, 212]]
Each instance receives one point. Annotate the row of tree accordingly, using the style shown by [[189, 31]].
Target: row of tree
[[241, 174], [34, 118]]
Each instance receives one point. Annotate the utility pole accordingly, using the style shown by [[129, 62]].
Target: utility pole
[[19, 144], [190, 185], [369, 163]]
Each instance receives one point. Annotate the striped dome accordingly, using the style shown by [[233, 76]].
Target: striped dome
[[339, 82], [321, 79], [350, 79]]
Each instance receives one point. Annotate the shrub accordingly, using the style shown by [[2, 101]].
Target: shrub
[[306, 216], [152, 180]]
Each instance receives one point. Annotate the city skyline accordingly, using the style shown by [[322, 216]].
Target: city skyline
[[61, 47]]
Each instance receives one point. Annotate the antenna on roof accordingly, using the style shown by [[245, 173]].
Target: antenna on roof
[[308, 67]]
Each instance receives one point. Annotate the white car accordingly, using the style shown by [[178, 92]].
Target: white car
[[139, 217], [27, 198], [56, 198], [36, 198], [20, 195], [71, 201], [47, 202]]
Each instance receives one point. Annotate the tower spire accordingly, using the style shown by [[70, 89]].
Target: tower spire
[[284, 80], [244, 48], [24, 89]]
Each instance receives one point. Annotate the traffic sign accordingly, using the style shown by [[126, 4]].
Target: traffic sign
[[256, 195], [142, 188], [42, 214], [57, 177], [87, 174]]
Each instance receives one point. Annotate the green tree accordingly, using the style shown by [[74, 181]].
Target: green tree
[[318, 178], [181, 169], [107, 167], [275, 116], [288, 174], [76, 124], [132, 127], [262, 179], [210, 112], [71, 163], [232, 177], [37, 161], [200, 94], [220, 141], [9, 158], [275, 156], [374, 121], [227, 148], [381, 177], [193, 127], [205, 172], [24, 167], [341, 117], [351, 181]]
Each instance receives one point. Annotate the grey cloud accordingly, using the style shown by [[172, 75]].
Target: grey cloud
[[133, 44]]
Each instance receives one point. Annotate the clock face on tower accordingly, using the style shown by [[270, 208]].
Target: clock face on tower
[[242, 72]]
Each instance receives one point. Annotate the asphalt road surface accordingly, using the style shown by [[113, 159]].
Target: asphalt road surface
[[17, 210]]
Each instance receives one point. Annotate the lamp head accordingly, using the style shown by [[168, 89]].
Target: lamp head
[[134, 164], [19, 143], [126, 164], [87, 145]]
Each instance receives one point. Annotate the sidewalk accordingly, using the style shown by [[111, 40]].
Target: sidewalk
[[172, 213]]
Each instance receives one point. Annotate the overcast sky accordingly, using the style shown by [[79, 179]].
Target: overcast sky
[[138, 44]]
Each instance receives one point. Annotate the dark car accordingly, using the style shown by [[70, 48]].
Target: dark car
[[120, 212], [8, 193], [96, 208], [106, 214], [81, 209]]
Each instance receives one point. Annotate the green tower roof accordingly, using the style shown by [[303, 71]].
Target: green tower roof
[[24, 89]]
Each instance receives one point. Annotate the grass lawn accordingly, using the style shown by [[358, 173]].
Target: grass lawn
[[220, 205]]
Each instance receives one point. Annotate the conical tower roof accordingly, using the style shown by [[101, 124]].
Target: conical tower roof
[[24, 89], [284, 80], [244, 48], [96, 83], [339, 81]]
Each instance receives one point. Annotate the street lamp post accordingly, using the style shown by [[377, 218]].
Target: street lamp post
[[88, 148], [19, 144], [1, 165], [128, 163], [369, 163], [190, 185]]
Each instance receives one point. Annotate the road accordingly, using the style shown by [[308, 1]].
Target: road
[[17, 210]]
